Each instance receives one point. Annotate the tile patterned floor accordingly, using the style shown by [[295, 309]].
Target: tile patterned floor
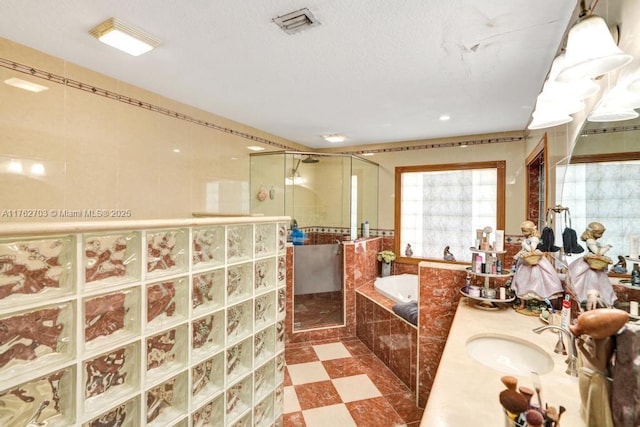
[[343, 384]]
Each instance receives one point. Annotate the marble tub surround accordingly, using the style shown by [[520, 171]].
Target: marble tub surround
[[440, 285], [392, 339], [465, 392]]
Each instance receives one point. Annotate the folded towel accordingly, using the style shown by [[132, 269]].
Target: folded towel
[[408, 311]]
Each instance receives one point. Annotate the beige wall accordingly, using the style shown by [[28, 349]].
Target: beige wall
[[512, 152], [101, 153]]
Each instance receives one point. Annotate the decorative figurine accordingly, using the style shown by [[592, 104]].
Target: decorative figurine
[[620, 267], [408, 251], [534, 276], [591, 272], [447, 255], [593, 300]]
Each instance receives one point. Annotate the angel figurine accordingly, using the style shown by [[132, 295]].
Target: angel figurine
[[534, 276], [590, 273]]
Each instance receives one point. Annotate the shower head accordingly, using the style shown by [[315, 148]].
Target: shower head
[[310, 159]]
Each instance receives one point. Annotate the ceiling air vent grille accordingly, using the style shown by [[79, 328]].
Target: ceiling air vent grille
[[296, 21]]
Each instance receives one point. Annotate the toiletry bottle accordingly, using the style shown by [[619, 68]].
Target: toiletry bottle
[[297, 236], [566, 313], [365, 233], [498, 266]]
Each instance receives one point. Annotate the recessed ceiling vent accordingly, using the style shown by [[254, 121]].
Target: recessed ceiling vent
[[297, 21]]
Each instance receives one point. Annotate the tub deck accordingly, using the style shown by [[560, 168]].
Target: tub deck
[[368, 291]]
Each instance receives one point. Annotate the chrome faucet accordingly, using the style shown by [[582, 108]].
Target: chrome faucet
[[572, 359]]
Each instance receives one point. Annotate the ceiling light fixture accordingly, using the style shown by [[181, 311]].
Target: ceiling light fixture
[[255, 148], [334, 138], [124, 37], [444, 117], [23, 84]]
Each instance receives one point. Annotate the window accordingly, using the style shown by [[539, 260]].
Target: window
[[597, 188], [443, 205]]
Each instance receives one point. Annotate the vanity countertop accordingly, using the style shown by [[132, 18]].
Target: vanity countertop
[[466, 392]]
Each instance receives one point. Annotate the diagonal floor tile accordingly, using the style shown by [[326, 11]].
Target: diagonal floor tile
[[300, 355], [357, 387], [334, 415], [291, 403], [335, 350], [314, 395], [303, 373], [375, 412], [294, 419], [337, 368], [405, 405]]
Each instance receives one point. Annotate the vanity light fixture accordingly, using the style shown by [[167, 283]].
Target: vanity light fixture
[[591, 50], [334, 138], [26, 85], [546, 118], [124, 37], [619, 102], [576, 89], [612, 116], [255, 148]]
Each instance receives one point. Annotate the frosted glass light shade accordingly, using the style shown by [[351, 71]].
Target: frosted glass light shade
[[612, 116], [591, 51], [616, 105], [577, 89], [558, 99], [543, 120]]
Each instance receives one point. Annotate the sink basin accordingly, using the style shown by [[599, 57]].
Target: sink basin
[[509, 354]]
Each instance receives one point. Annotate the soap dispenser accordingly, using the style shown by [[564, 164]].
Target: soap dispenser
[[297, 236]]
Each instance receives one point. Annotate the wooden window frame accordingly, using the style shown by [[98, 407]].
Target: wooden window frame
[[499, 165]]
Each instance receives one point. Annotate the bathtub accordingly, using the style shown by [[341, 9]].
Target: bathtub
[[400, 288]]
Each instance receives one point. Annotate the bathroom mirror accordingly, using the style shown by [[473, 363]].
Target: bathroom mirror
[[601, 182]]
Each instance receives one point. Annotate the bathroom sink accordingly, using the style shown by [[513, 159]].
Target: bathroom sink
[[509, 354]]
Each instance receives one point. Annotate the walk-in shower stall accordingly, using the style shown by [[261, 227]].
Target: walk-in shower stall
[[328, 197]]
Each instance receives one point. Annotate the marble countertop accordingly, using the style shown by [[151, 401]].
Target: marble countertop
[[466, 392]]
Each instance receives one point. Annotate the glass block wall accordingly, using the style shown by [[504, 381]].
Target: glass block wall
[[143, 323]]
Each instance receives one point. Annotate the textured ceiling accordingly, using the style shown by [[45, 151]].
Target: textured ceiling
[[375, 70]]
